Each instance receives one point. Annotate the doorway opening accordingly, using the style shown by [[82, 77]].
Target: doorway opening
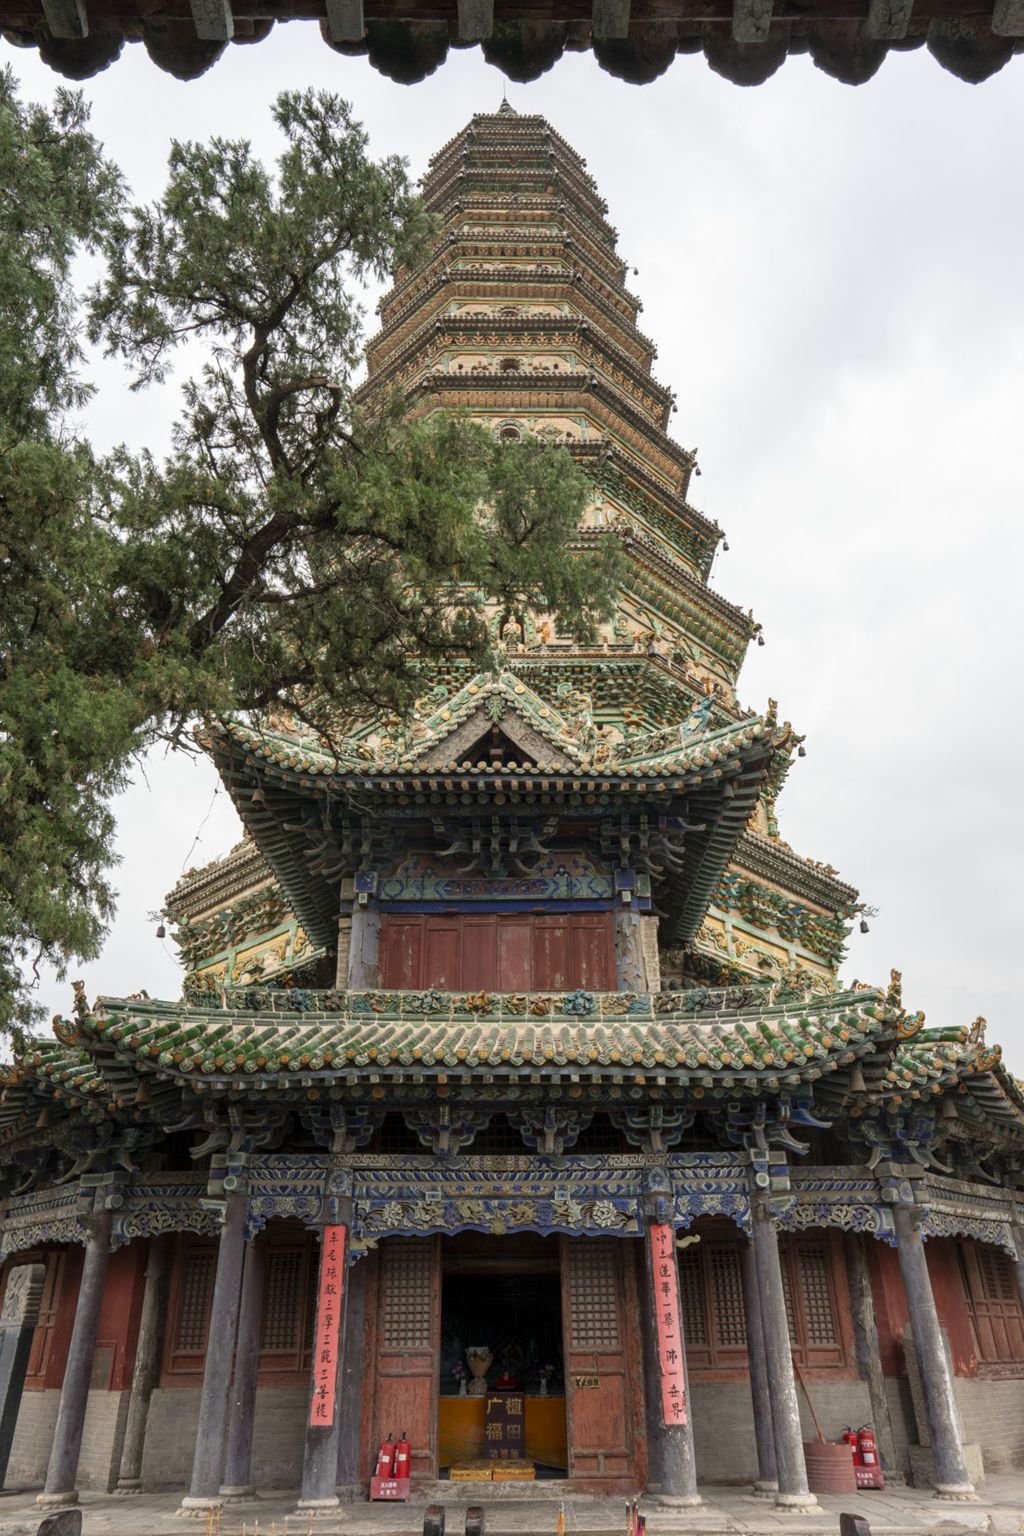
[[501, 1298]]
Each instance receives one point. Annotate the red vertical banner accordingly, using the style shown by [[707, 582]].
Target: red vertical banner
[[668, 1323], [330, 1302]]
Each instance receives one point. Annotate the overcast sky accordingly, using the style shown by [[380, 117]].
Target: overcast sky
[[833, 278]]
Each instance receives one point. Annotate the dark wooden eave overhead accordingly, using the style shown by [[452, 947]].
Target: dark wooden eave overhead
[[745, 40]]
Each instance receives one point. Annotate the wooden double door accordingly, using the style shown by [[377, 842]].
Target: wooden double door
[[607, 1447], [498, 951]]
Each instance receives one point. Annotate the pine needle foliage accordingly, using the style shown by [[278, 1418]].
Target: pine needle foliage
[[294, 548]]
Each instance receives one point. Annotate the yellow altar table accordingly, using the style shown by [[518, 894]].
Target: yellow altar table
[[460, 1430]]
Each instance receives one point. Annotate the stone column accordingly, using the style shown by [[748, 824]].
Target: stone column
[[673, 1464], [238, 1482], [17, 1326], [791, 1467], [147, 1366], [320, 1455], [350, 1484], [364, 949], [952, 1480], [865, 1335], [630, 971], [59, 1488], [207, 1465], [767, 1481]]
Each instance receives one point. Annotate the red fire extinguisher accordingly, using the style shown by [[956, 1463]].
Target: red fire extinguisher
[[403, 1454], [868, 1451], [850, 1439], [386, 1458]]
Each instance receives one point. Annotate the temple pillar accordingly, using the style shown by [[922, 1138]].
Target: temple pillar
[[673, 1464], [323, 1422], [793, 1492], [238, 1482], [59, 1488], [952, 1480], [147, 1367], [630, 970], [349, 1484], [18, 1320], [767, 1481], [207, 1465], [364, 949], [869, 1361]]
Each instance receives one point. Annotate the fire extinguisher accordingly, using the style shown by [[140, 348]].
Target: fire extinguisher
[[866, 1446], [849, 1438], [403, 1453], [386, 1457]]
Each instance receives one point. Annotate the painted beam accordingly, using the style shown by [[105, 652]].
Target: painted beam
[[610, 19], [66, 18], [476, 20], [345, 20], [213, 20], [888, 20], [751, 20]]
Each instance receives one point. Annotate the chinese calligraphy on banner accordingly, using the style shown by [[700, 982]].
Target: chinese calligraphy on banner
[[328, 1326], [665, 1275]]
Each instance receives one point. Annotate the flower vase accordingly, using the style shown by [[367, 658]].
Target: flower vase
[[462, 1386], [543, 1386]]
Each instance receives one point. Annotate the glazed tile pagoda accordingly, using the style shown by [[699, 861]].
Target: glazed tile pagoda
[[514, 1027]]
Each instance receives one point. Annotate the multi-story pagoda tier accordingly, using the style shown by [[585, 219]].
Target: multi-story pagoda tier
[[520, 317], [494, 1002]]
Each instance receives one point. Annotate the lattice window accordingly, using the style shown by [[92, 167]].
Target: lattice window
[[997, 1274], [283, 1299], [787, 1296], [819, 1317], [727, 1297], [994, 1301], [691, 1295], [195, 1300], [594, 1296], [808, 1285], [407, 1305]]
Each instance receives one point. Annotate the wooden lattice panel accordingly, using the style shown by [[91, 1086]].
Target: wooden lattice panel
[[594, 1304], [691, 1295], [196, 1299], [727, 1290], [819, 1315], [406, 1305], [282, 1304]]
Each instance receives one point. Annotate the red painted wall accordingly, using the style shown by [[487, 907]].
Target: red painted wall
[[950, 1302], [118, 1326]]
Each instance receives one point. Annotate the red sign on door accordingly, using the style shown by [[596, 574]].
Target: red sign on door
[[671, 1362], [328, 1326]]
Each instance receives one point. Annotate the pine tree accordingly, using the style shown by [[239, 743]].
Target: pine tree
[[295, 548]]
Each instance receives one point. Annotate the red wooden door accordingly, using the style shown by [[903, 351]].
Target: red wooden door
[[408, 1341], [499, 951], [478, 952], [401, 952], [593, 951], [515, 953], [599, 1355]]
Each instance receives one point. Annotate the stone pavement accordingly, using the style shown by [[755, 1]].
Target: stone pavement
[[725, 1512]]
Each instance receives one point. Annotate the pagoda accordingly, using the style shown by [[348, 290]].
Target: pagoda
[[514, 1099]]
